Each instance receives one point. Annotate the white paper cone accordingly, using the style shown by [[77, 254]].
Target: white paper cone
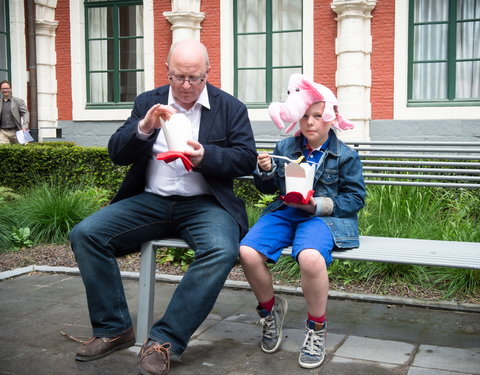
[[178, 130]]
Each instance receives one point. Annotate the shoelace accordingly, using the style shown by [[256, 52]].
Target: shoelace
[[163, 349], [269, 328], [313, 342], [92, 339]]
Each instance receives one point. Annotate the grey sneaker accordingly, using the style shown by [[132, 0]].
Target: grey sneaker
[[313, 349], [272, 323]]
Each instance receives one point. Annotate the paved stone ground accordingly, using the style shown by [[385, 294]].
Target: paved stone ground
[[363, 337]]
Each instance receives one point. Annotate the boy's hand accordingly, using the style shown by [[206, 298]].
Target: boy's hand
[[264, 162], [310, 207]]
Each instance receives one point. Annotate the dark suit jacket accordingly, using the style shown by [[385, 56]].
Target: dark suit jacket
[[19, 111], [225, 133]]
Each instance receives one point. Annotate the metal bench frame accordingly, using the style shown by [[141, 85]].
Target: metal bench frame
[[377, 249], [440, 164]]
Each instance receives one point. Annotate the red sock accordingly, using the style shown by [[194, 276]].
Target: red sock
[[320, 319], [268, 306]]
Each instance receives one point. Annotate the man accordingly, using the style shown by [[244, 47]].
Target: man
[[157, 200], [12, 111]]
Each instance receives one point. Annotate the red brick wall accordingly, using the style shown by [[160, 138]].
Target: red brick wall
[[162, 40], [382, 59], [210, 37], [325, 32], [64, 63]]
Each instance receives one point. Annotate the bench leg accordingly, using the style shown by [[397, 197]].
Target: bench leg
[[146, 291]]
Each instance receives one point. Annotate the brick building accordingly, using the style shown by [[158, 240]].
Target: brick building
[[402, 69]]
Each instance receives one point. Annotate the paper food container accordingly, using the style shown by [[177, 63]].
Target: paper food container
[[299, 178], [178, 130]]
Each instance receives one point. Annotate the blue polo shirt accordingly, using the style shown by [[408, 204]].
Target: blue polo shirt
[[314, 155]]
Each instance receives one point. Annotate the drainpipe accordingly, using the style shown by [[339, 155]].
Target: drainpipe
[[32, 69]]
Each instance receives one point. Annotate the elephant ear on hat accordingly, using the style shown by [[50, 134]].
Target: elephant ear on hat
[[303, 92]]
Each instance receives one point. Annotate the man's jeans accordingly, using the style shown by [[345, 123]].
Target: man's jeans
[[121, 228]]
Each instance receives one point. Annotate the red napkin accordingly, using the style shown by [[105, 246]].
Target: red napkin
[[296, 197], [169, 156]]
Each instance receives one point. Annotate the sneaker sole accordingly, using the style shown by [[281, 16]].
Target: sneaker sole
[[284, 304], [310, 365], [103, 355]]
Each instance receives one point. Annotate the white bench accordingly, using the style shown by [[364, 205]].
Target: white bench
[[378, 249], [419, 163]]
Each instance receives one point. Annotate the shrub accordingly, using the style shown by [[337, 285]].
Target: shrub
[[51, 209]]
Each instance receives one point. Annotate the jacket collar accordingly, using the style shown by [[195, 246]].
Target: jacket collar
[[208, 114], [332, 144]]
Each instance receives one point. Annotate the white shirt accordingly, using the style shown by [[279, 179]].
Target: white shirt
[[172, 178]]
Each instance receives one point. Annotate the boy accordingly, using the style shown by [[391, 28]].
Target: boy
[[327, 221]]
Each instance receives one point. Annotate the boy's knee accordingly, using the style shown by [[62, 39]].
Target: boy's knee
[[249, 255]]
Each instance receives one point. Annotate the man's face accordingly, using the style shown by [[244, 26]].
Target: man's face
[[6, 90], [187, 76]]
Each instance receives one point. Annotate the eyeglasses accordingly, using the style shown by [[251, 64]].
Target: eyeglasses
[[191, 80], [5, 88]]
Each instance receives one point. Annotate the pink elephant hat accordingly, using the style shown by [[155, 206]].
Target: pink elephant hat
[[303, 92]]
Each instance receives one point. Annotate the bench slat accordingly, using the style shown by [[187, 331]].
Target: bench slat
[[395, 250], [378, 249]]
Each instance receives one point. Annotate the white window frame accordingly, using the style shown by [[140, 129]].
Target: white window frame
[[401, 111], [79, 79], [226, 51], [18, 49]]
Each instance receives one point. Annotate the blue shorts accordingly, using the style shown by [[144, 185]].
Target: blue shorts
[[290, 226]]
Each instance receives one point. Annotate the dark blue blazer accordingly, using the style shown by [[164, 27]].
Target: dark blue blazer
[[225, 133]]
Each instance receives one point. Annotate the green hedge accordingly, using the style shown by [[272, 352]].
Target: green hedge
[[24, 165]]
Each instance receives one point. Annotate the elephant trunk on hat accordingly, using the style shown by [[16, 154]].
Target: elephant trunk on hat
[[303, 92]]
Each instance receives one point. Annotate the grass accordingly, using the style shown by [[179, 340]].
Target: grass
[[51, 208], [411, 212], [46, 212]]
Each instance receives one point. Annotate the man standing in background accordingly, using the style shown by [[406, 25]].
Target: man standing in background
[[12, 111]]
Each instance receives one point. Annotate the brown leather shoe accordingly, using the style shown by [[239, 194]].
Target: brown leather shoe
[[154, 359], [99, 347]]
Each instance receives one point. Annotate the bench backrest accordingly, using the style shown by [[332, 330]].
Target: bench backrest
[[441, 164]]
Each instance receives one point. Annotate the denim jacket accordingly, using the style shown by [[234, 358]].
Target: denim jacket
[[338, 180]]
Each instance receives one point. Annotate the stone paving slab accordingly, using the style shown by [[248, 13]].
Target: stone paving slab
[[375, 350], [363, 337], [453, 359]]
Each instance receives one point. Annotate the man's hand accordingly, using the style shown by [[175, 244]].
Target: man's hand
[[155, 117], [195, 155], [310, 207], [264, 162]]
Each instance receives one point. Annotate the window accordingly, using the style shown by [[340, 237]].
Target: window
[[4, 42], [267, 49], [444, 52], [114, 52]]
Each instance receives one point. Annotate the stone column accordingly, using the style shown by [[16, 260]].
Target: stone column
[[353, 48], [185, 18], [46, 26]]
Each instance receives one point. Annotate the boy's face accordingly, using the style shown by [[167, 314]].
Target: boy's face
[[312, 126]]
